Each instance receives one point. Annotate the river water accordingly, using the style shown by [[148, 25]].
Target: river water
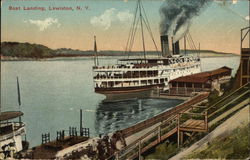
[[53, 92]]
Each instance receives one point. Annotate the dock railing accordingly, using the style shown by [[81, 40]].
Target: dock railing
[[151, 138], [167, 127], [164, 116], [228, 102]]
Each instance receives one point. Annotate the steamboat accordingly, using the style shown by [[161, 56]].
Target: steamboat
[[12, 131], [141, 77]]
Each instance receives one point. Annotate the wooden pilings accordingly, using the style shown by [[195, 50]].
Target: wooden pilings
[[45, 138], [206, 121], [178, 130], [81, 134], [60, 135], [72, 131], [139, 152], [159, 134]]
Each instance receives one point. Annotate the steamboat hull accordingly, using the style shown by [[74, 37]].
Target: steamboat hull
[[128, 93]]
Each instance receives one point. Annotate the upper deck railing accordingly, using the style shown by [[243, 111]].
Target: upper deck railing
[[11, 129], [128, 66], [142, 67]]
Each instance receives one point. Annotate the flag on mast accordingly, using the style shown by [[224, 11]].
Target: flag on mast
[[18, 92]]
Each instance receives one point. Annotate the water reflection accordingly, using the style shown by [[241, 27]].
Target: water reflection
[[119, 115]]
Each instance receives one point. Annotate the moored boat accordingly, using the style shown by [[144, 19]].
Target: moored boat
[[139, 77], [12, 131]]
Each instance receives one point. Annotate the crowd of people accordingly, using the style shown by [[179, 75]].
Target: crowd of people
[[106, 146], [7, 151]]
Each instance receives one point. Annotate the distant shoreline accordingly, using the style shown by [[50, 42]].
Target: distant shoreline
[[16, 51], [5, 58]]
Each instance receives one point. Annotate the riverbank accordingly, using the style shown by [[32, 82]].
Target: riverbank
[[13, 51], [77, 57], [8, 58]]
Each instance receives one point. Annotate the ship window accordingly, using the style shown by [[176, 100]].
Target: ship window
[[162, 80], [144, 81], [166, 62], [104, 84], [156, 81], [155, 73], [152, 61], [150, 81], [111, 84]]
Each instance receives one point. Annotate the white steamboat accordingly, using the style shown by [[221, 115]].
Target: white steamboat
[[138, 77]]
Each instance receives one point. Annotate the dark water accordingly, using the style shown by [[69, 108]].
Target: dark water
[[119, 115]]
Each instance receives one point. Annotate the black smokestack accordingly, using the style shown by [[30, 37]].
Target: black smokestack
[[176, 48], [165, 46], [177, 13], [173, 48]]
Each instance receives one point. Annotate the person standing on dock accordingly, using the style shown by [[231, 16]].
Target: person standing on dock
[[100, 151], [113, 141], [94, 145]]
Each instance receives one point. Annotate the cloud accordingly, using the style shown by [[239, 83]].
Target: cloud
[[247, 18], [124, 16], [104, 20], [44, 24], [110, 15]]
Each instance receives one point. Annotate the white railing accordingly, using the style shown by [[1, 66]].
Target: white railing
[[144, 68], [131, 85], [128, 68], [172, 75], [129, 78], [167, 71]]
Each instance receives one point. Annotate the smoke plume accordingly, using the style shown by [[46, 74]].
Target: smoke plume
[[176, 15]]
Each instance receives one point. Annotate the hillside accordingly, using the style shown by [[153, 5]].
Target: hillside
[[230, 140], [236, 145], [37, 51], [15, 49]]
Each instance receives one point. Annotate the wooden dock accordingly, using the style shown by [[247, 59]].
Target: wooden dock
[[50, 149], [189, 117], [192, 124], [185, 119]]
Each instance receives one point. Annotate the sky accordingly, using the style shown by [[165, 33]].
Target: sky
[[217, 27]]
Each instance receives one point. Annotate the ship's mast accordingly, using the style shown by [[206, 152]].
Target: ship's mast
[[95, 50], [185, 46], [139, 17], [19, 98], [143, 43]]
